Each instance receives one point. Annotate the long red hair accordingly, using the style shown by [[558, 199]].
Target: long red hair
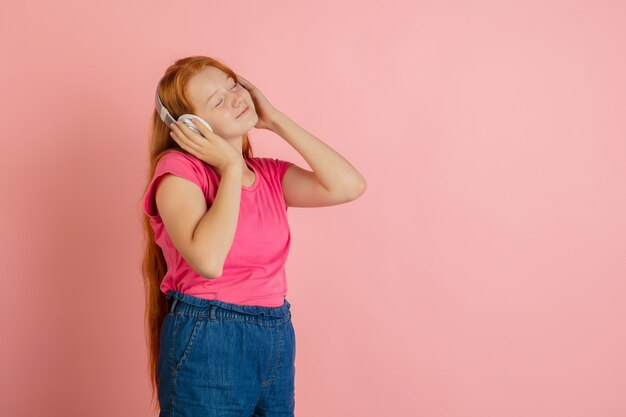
[[153, 268]]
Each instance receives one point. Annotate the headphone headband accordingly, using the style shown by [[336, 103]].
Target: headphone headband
[[163, 113]]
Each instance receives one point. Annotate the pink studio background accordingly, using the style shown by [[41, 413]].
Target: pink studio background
[[480, 275]]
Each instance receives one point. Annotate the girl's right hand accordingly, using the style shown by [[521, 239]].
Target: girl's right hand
[[211, 148]]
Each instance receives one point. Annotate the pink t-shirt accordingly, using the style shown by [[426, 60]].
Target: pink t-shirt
[[254, 270]]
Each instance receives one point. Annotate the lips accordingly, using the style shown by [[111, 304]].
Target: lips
[[245, 110]]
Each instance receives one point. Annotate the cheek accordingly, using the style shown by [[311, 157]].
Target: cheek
[[250, 102], [223, 118]]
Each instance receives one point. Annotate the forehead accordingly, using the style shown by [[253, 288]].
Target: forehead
[[204, 83]]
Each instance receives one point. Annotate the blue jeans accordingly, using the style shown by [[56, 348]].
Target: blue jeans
[[226, 360]]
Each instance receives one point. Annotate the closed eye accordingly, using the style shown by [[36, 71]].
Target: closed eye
[[220, 102]]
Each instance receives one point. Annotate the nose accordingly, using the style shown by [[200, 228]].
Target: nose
[[236, 99]]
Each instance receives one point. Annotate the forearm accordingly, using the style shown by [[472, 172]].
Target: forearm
[[333, 171], [215, 232]]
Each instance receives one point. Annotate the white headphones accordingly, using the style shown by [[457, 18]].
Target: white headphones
[[185, 118]]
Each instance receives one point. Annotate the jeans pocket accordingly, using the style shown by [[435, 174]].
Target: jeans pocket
[[184, 335]]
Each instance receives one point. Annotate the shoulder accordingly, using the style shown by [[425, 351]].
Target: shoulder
[[274, 165], [275, 168], [185, 165], [174, 159]]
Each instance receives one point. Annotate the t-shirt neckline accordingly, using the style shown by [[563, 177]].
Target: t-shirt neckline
[[254, 168]]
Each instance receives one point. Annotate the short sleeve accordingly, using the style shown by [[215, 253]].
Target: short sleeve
[[180, 164], [282, 167]]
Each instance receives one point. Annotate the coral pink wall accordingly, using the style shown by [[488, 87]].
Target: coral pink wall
[[482, 274]]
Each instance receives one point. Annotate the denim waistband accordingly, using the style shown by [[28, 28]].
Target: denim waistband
[[181, 303]]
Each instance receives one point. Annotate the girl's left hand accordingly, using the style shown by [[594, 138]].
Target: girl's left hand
[[265, 111]]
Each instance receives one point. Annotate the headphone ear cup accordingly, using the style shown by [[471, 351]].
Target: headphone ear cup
[[186, 119]]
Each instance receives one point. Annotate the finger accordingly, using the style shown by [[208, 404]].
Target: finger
[[191, 134], [202, 128], [187, 146], [184, 137], [177, 132], [187, 132], [245, 83], [178, 140]]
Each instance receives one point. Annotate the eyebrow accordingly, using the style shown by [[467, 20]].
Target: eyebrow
[[212, 94]]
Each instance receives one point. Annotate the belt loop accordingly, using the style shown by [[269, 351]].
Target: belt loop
[[174, 302], [212, 312]]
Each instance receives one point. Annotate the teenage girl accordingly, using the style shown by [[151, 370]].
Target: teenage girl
[[220, 337]]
